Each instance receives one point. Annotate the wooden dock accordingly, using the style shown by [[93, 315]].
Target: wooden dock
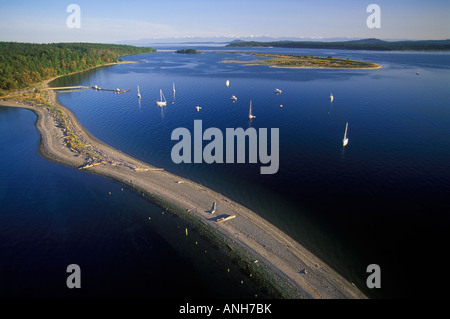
[[94, 87], [79, 87]]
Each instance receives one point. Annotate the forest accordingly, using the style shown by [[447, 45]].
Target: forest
[[23, 64], [188, 51]]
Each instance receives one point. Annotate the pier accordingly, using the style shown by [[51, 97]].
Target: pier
[[94, 87], [69, 88]]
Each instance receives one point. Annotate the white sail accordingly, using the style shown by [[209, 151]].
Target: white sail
[[227, 83], [345, 140], [162, 99]]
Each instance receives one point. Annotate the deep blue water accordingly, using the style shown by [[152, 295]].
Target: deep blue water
[[52, 216], [382, 199]]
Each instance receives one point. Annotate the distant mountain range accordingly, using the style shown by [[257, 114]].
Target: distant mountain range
[[296, 42], [360, 44], [224, 40]]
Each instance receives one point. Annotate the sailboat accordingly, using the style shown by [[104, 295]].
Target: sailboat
[[173, 89], [331, 97], [198, 108], [227, 83], [278, 91], [345, 140], [138, 94], [250, 115], [233, 98], [162, 100]]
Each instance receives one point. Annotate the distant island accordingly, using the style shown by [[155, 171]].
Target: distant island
[[364, 44], [305, 61], [188, 51]]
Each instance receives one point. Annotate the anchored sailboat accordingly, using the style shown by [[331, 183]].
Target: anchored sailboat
[[162, 100], [250, 115], [331, 97], [345, 140], [138, 94]]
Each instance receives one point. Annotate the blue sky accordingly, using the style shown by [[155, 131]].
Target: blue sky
[[113, 21]]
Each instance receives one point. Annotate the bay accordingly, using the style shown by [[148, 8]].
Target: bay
[[383, 199]]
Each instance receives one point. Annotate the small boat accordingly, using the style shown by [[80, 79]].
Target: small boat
[[227, 83], [162, 100], [345, 140], [250, 115], [173, 88], [198, 108], [213, 209], [418, 73], [138, 94], [233, 98], [331, 97], [278, 91]]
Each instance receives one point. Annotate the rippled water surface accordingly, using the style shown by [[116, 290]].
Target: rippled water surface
[[382, 199]]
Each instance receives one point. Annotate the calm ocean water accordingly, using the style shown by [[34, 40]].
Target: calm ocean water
[[383, 199]]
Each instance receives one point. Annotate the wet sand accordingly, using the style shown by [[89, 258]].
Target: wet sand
[[296, 271]]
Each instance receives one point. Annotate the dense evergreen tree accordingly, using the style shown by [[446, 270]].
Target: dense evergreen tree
[[22, 64]]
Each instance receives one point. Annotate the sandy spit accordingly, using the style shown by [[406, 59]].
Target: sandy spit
[[292, 267]]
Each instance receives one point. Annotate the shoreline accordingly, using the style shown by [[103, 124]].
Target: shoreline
[[295, 271]]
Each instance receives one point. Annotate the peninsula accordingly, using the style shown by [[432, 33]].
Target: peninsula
[[272, 256], [304, 61]]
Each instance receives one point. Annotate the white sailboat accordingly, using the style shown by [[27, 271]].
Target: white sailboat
[[233, 98], [138, 94], [345, 140], [250, 115], [227, 83], [278, 91], [331, 97], [162, 99], [198, 108], [173, 88]]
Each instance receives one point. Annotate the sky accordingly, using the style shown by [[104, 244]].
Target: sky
[[115, 21]]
